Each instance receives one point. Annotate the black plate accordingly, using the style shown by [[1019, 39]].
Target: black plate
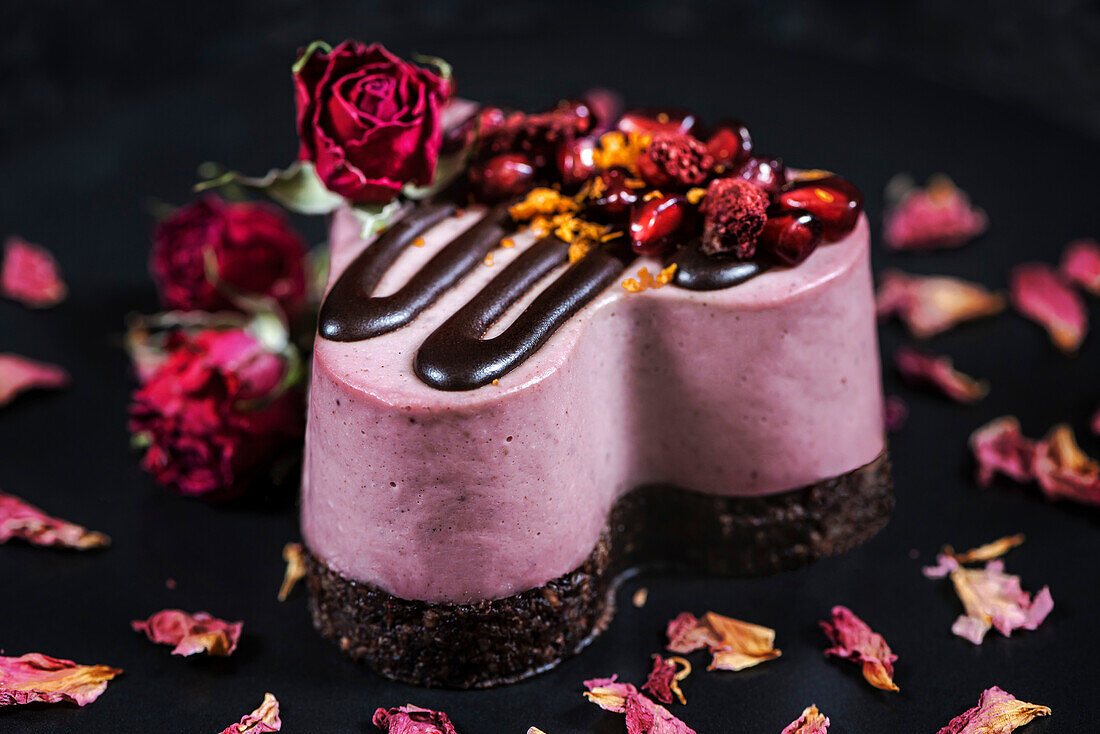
[[85, 194]]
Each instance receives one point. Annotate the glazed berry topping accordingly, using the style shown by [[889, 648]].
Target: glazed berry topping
[[789, 236], [657, 120], [836, 202], [502, 176], [575, 161], [734, 212], [730, 144], [767, 173], [614, 202], [537, 136], [674, 159], [657, 224]]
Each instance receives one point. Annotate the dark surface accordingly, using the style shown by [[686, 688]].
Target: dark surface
[[84, 192]]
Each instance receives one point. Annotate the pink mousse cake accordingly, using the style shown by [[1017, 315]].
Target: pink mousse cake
[[653, 348]]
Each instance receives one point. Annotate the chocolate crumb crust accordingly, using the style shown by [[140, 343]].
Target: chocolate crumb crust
[[505, 640]]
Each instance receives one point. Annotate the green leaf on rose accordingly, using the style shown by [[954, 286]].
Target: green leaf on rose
[[310, 50], [297, 187], [374, 218], [444, 70]]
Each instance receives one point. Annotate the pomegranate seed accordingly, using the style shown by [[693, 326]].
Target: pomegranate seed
[[836, 202], [502, 176], [767, 173], [577, 108], [657, 120], [575, 161], [615, 203], [789, 236], [656, 224], [730, 144]]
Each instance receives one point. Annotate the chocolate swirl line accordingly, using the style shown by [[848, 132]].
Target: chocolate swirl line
[[698, 271], [457, 356]]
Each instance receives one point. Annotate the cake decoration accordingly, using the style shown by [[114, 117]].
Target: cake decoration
[[19, 374], [189, 634], [918, 367], [734, 215], [854, 640], [932, 304], [997, 712], [38, 678], [31, 275], [20, 519], [1039, 292]]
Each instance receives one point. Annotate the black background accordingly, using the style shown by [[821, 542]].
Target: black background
[[106, 113]]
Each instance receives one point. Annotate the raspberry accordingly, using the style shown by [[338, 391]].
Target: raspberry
[[734, 214]]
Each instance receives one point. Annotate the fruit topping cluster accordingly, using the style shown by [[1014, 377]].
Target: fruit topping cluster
[[592, 175]]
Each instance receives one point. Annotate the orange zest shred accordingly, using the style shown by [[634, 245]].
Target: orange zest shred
[[577, 250], [489, 260], [418, 242], [542, 202], [507, 242], [695, 195], [654, 194], [618, 149], [646, 280]]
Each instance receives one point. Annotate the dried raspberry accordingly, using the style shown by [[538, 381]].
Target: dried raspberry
[[674, 158], [734, 215]]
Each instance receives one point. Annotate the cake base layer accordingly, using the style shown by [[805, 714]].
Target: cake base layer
[[505, 640]]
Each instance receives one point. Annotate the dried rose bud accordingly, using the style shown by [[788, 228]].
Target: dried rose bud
[[674, 159], [735, 212]]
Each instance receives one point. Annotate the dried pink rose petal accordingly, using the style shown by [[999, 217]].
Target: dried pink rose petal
[[410, 719], [664, 680], [29, 274], [643, 716], [38, 678], [997, 712], [948, 560], [931, 304], [295, 569], [811, 721], [1081, 264], [20, 519], [854, 640], [735, 645], [1063, 470], [937, 216], [992, 598], [895, 411], [921, 368], [19, 374], [1000, 448], [264, 719], [1096, 422], [1039, 293], [191, 633]]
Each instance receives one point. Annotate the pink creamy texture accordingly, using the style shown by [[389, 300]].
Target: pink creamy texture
[[466, 496]]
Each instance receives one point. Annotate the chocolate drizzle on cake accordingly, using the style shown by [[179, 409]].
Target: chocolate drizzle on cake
[[698, 271]]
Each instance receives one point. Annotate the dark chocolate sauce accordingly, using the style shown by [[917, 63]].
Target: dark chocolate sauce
[[698, 271], [457, 356]]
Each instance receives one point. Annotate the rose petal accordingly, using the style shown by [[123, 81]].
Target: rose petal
[[664, 680], [736, 645], [920, 368], [929, 305], [411, 719], [20, 519], [853, 639], [895, 411], [191, 633], [988, 551], [1096, 422], [19, 374], [642, 715], [295, 569], [1039, 293], [38, 678], [1000, 448], [1081, 264], [1063, 470], [30, 274], [992, 598], [264, 719], [934, 217], [997, 712], [811, 721]]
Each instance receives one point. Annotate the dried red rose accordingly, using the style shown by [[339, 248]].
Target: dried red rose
[[264, 719], [1063, 470], [643, 716], [1039, 293], [30, 274], [369, 121], [215, 413], [920, 368], [191, 633], [664, 679], [38, 678], [734, 213], [938, 216], [19, 519], [674, 159], [253, 250], [997, 712], [811, 721], [295, 569], [854, 640], [1081, 264], [929, 305], [19, 374], [410, 719], [735, 645]]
